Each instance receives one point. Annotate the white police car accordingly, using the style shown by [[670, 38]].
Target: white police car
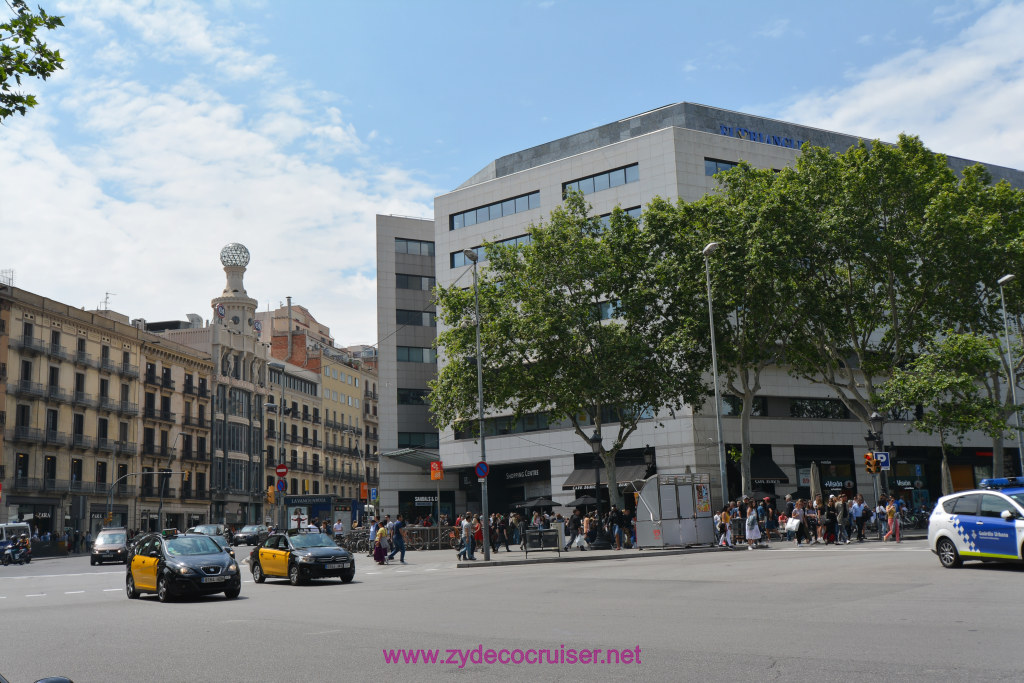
[[984, 524]]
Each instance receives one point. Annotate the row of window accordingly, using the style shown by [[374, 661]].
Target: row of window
[[421, 282], [603, 181], [416, 318], [416, 354], [415, 247], [713, 166], [341, 376], [505, 207], [413, 397], [418, 440], [497, 426], [458, 258]]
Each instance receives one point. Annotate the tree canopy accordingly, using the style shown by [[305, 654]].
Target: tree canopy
[[23, 54], [574, 327]]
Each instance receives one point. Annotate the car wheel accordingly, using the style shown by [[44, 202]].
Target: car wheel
[[232, 593], [257, 573], [347, 577], [295, 574], [162, 591], [947, 553], [129, 587], [92, 562]]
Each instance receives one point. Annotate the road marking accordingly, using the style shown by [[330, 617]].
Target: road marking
[[431, 570], [401, 571], [371, 572], [111, 590], [36, 595], [73, 592]]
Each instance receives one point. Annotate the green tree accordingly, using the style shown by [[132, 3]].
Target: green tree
[[573, 326], [945, 381], [872, 268], [23, 54]]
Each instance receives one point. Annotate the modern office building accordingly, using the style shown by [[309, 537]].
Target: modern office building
[[669, 152]]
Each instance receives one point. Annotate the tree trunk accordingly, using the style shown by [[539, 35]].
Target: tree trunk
[[947, 479], [614, 497], [748, 405]]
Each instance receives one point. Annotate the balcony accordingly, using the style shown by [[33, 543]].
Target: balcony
[[370, 395], [316, 419], [127, 450], [80, 398], [167, 383], [108, 404], [189, 388], [25, 388], [198, 421], [193, 455], [151, 378], [108, 365], [30, 344], [82, 441], [317, 443], [28, 435], [55, 393], [129, 408], [108, 445], [57, 351], [202, 392], [83, 358], [129, 370], [52, 437], [155, 491], [158, 451], [157, 414], [195, 495]]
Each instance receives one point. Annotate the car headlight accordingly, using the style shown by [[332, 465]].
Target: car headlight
[[232, 567], [183, 570], [307, 558]]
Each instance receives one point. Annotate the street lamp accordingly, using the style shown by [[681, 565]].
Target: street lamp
[[707, 251], [875, 440], [486, 522], [1010, 374]]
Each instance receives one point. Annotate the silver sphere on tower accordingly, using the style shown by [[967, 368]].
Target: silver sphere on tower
[[234, 254]]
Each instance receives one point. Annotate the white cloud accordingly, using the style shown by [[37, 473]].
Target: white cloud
[[775, 29], [955, 96], [158, 176]]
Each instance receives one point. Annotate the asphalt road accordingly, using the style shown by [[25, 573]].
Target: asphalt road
[[866, 612]]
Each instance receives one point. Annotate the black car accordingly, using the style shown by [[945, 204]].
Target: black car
[[181, 564], [111, 545], [300, 557], [224, 545], [250, 534], [212, 530]]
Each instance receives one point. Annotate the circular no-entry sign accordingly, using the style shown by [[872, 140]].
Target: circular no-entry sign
[[482, 469], [282, 470]]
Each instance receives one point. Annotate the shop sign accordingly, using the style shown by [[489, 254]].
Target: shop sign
[[425, 501], [759, 136]]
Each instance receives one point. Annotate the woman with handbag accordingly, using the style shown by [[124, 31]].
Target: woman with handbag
[[752, 531], [726, 538]]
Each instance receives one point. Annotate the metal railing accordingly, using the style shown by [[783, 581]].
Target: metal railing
[[28, 343], [82, 398], [23, 387]]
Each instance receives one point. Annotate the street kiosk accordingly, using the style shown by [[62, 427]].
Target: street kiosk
[[675, 510]]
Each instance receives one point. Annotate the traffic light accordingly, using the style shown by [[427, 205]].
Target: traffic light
[[868, 459], [186, 475], [270, 495]]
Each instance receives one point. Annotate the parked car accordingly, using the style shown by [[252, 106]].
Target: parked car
[[250, 534]]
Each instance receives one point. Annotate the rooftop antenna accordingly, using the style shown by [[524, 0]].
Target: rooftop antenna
[[7, 277], [106, 301]]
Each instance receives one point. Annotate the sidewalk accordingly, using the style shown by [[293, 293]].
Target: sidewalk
[[518, 557]]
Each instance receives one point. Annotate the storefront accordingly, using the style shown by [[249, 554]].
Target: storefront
[[836, 470], [632, 467], [416, 505], [98, 513], [39, 513], [305, 510], [765, 474], [916, 472], [506, 485]]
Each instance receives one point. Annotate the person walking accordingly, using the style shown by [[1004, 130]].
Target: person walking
[[466, 552], [725, 527], [398, 539], [892, 516], [380, 545], [753, 531], [574, 528]]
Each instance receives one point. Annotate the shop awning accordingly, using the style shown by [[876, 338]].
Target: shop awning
[[584, 478], [414, 456], [763, 470]]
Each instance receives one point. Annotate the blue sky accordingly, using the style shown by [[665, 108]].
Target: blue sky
[[178, 127]]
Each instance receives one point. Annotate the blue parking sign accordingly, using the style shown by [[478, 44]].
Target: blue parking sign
[[373, 494], [883, 459]]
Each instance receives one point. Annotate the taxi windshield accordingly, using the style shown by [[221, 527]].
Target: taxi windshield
[[110, 539], [199, 545], [312, 541]]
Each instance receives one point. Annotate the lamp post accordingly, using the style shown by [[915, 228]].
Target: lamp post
[[163, 483], [707, 251], [1010, 374], [280, 435], [486, 522]]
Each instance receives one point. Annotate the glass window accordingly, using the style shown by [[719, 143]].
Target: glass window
[[586, 185], [616, 178], [535, 200], [966, 505], [632, 173], [470, 218], [571, 187], [508, 207], [457, 221], [601, 182], [482, 215], [522, 204], [993, 506]]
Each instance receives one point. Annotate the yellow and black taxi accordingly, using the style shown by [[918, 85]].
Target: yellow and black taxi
[[300, 556], [172, 564], [985, 524]]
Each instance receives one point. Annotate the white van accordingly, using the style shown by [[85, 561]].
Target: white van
[[10, 532]]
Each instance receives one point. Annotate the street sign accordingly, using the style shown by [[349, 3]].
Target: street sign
[[364, 489], [482, 469], [436, 470], [282, 470], [373, 493], [883, 459], [281, 485]]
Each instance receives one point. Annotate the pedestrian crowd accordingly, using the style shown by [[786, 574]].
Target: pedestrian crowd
[[839, 520]]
